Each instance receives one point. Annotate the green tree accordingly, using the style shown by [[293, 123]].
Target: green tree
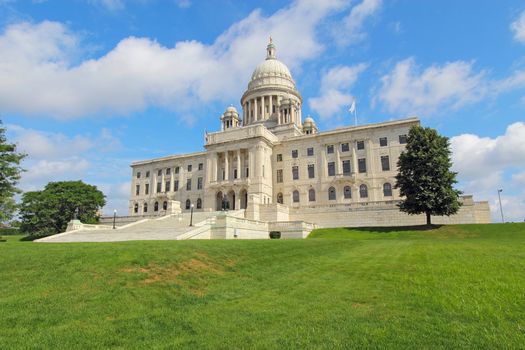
[[48, 211], [424, 177], [9, 175]]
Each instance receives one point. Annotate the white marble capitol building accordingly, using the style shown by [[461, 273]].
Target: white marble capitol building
[[268, 165]]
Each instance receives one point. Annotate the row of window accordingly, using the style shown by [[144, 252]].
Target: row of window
[[345, 147], [347, 170], [164, 206], [332, 196], [167, 186], [167, 171]]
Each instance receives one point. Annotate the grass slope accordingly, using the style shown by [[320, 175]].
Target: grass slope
[[450, 287]]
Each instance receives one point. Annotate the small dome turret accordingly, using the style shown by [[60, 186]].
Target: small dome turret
[[230, 118], [309, 126]]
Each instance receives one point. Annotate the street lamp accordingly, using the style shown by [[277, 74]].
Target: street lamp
[[114, 217], [500, 206], [191, 215]]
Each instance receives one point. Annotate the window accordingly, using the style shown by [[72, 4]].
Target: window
[[201, 166], [168, 171], [159, 172], [280, 198], [331, 169], [311, 171], [137, 190], [145, 208], [346, 167], [363, 191], [360, 145], [383, 142], [235, 173], [295, 153], [361, 164], [156, 206], [311, 195], [331, 194], [176, 185], [147, 173], [345, 147], [188, 185], [403, 139], [330, 149], [279, 157], [188, 204], [295, 172], [189, 167], [347, 192], [165, 205], [310, 151], [138, 174], [279, 175], [199, 183], [146, 189], [136, 208], [177, 170], [385, 163], [387, 190], [159, 187], [247, 172], [295, 196], [167, 186], [199, 203]]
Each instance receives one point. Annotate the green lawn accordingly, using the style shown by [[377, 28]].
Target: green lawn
[[451, 287]]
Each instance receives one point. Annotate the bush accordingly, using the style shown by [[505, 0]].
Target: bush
[[275, 234]]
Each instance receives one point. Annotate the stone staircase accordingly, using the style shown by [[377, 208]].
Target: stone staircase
[[168, 227]]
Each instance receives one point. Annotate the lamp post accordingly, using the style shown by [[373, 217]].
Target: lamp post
[[191, 215], [114, 217], [500, 206]]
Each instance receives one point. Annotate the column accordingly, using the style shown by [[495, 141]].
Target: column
[[226, 167], [263, 107], [214, 162], [255, 110], [244, 113], [337, 160], [324, 163], [354, 158], [249, 111], [250, 165], [270, 105], [239, 168]]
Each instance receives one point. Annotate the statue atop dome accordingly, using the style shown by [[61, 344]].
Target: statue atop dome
[[270, 50]]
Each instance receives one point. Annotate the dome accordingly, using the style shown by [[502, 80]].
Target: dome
[[231, 109], [271, 72], [308, 120]]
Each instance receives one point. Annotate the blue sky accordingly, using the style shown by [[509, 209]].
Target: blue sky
[[88, 86]]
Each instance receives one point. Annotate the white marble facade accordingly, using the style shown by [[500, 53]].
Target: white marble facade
[[269, 161]]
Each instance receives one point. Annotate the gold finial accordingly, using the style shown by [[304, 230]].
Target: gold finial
[[270, 39]]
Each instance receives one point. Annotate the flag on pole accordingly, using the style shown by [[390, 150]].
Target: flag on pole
[[206, 136], [353, 110]]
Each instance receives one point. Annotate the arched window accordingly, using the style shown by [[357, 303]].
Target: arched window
[[387, 190], [199, 203], [145, 208], [347, 192], [280, 198], [295, 196], [136, 208], [363, 191], [165, 205], [331, 194], [156, 206], [188, 204], [311, 195]]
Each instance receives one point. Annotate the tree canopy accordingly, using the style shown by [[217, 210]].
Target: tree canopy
[[48, 211], [9, 175], [425, 178]]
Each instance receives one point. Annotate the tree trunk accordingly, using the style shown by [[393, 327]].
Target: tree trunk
[[428, 218]]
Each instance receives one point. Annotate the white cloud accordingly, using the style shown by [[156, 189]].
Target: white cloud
[[518, 28], [183, 3], [408, 90], [351, 32], [334, 89], [39, 76], [112, 5], [486, 164]]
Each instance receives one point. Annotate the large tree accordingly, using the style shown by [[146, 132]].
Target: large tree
[[48, 211], [9, 175], [425, 178]]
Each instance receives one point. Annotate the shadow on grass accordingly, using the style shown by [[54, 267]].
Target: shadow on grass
[[389, 229], [30, 238]]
